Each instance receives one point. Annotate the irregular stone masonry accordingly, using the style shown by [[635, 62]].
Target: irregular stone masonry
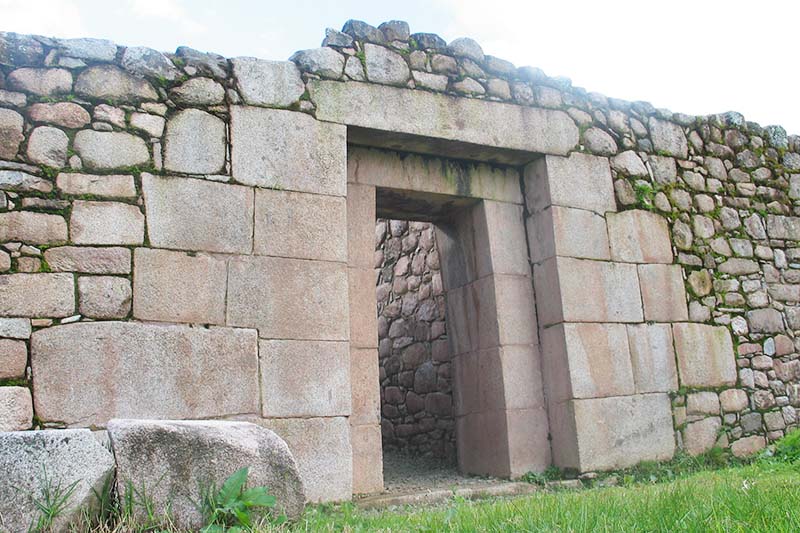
[[415, 367], [105, 151]]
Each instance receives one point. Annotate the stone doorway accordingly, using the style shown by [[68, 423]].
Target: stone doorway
[[501, 427]]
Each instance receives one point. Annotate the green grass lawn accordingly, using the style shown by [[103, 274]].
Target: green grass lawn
[[758, 497]]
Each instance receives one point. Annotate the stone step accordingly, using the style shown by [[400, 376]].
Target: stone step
[[433, 496]]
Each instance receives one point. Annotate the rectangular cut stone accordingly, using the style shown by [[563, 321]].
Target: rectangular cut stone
[[365, 386], [363, 319], [191, 214], [782, 227], [321, 447], [504, 242], [516, 314], [16, 411], [652, 358], [568, 233], [304, 378], [37, 295], [444, 117], [472, 317], [120, 186], [705, 355], [288, 150], [579, 290], [618, 432], [289, 298], [638, 236], [580, 180], [412, 172], [148, 370], [13, 358], [89, 260], [367, 459], [360, 225], [32, 228], [663, 293], [176, 287], [528, 441], [106, 223], [586, 361], [15, 328], [304, 226], [481, 431]]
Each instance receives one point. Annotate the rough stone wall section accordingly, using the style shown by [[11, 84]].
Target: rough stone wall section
[[415, 368]]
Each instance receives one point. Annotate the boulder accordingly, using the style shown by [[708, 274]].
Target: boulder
[[30, 460], [173, 460]]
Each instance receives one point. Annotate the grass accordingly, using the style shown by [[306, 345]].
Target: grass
[[759, 497]]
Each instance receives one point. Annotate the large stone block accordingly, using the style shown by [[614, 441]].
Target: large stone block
[[90, 372], [104, 297], [663, 293], [581, 181], [652, 358], [472, 317], [64, 114], [174, 460], [567, 232], [638, 236], [360, 225], [668, 138], [444, 117], [364, 386], [304, 378], [289, 298], [195, 143], [299, 225], [48, 146], [515, 308], [107, 185], [563, 294], [618, 432], [705, 355], [32, 228], [412, 172], [586, 361], [504, 243], [363, 319], [61, 457], [13, 358], [321, 447], [15, 328], [41, 81], [110, 149], [107, 82], [16, 410], [89, 260], [106, 223], [481, 431], [268, 83], [176, 287], [528, 441], [37, 295], [367, 459], [782, 227], [287, 150], [197, 215], [11, 135], [699, 437]]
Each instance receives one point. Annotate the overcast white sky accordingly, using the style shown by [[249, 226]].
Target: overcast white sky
[[699, 56]]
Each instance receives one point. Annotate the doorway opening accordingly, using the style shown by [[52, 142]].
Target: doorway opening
[[418, 428]]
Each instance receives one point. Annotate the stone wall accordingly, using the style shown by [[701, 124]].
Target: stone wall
[[415, 369], [180, 228]]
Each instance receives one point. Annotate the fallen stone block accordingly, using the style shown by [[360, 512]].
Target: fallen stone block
[[174, 460], [71, 462]]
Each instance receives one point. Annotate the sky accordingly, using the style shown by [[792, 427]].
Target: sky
[[698, 57]]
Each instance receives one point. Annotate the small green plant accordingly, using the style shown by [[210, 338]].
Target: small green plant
[[551, 473], [52, 501], [788, 448], [229, 507]]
